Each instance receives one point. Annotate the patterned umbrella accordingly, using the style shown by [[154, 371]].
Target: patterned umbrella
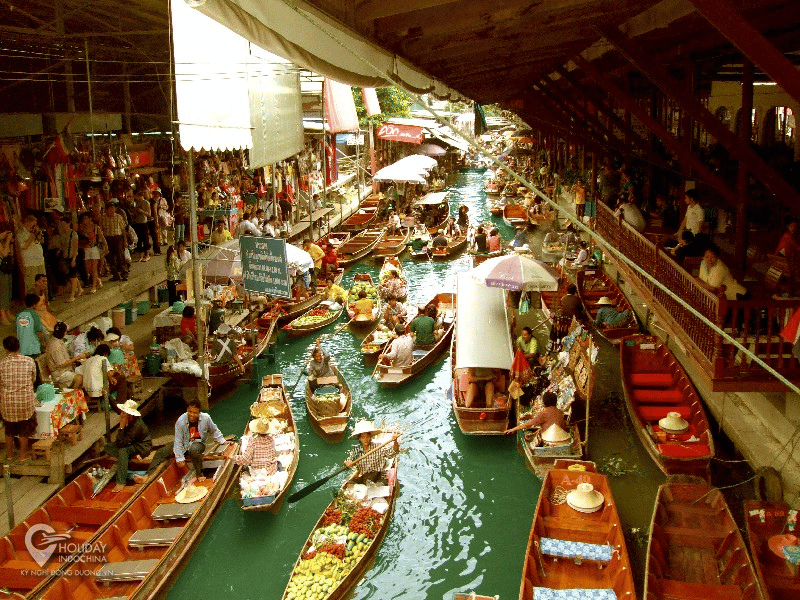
[[516, 272]]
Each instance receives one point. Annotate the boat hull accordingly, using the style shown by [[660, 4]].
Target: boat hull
[[330, 428], [592, 285], [765, 521]]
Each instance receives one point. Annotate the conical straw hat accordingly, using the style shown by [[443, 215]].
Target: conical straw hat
[[585, 498], [555, 435], [673, 423]]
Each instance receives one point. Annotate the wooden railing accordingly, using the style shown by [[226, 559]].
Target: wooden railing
[[756, 324]]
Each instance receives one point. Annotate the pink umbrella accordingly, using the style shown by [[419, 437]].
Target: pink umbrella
[[516, 272], [430, 149]]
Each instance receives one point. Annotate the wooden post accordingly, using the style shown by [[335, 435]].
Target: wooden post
[[202, 392], [9, 497], [745, 133], [57, 463]]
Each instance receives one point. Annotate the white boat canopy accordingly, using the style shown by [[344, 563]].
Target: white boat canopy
[[482, 335], [433, 198]]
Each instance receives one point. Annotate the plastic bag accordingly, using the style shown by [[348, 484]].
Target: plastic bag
[[524, 304]]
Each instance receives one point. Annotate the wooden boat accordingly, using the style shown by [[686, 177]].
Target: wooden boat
[[592, 285], [496, 207], [329, 422], [695, 548], [145, 545], [454, 247], [373, 344], [344, 573], [77, 511], [472, 596], [492, 188], [392, 245], [360, 220], [388, 376], [272, 403], [390, 264], [515, 215], [363, 281], [655, 384], [769, 525], [359, 246], [315, 319], [335, 238], [481, 339], [569, 549], [540, 457]]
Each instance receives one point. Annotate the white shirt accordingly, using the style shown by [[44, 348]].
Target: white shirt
[[632, 216], [247, 227], [695, 215], [394, 221], [185, 256], [269, 230], [92, 371], [719, 275]]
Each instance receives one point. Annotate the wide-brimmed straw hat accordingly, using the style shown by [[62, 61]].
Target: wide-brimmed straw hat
[[364, 427], [191, 493], [673, 423], [555, 435], [111, 337], [260, 426], [585, 498], [605, 301], [130, 407]]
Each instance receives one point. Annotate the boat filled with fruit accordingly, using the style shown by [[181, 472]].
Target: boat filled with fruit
[[316, 318], [345, 539]]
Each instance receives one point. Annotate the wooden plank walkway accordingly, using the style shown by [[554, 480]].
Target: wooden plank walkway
[[28, 494]]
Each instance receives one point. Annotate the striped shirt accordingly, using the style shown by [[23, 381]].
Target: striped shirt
[[259, 454], [374, 463], [112, 225], [17, 399]]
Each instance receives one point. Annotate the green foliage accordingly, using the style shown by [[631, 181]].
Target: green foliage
[[394, 103]]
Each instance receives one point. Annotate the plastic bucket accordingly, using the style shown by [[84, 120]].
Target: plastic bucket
[[128, 307], [118, 317], [163, 294], [142, 307]]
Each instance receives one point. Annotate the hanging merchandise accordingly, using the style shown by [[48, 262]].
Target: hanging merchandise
[[524, 303]]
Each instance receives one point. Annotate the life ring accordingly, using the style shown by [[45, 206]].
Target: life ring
[[768, 485]]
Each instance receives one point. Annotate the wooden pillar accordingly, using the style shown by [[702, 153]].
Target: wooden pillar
[[126, 97], [593, 182], [57, 463], [742, 187]]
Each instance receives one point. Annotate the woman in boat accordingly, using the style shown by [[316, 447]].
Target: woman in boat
[[493, 242], [609, 315], [528, 344], [545, 418], [452, 229], [481, 246], [393, 285], [133, 440], [463, 217], [330, 262], [372, 467], [394, 223], [362, 306], [492, 381], [319, 365], [260, 450], [333, 292], [395, 313]]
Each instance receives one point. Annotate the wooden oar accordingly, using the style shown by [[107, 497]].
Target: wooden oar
[[300, 494]]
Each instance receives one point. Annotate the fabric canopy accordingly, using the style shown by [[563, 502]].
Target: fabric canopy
[[482, 335], [340, 107], [371, 104], [433, 198], [411, 169], [302, 34]]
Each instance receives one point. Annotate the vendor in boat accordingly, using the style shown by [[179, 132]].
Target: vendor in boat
[[132, 441], [493, 242], [520, 238], [440, 241], [395, 313], [481, 242], [330, 262], [393, 285], [528, 344], [401, 350], [546, 417], [463, 217], [452, 228], [224, 347], [189, 326], [570, 305], [491, 381], [424, 327], [259, 452], [318, 365], [610, 316], [334, 293], [393, 225], [372, 467], [362, 308]]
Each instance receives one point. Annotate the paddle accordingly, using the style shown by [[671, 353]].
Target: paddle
[[300, 494]]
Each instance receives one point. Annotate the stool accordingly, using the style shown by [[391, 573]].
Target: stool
[[237, 306], [41, 448], [71, 433]]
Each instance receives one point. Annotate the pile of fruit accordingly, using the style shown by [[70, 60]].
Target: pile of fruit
[[372, 293], [315, 315], [370, 348]]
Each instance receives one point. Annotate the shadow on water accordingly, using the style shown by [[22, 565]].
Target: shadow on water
[[464, 512]]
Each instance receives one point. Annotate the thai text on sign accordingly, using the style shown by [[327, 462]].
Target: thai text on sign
[[264, 268], [400, 133]]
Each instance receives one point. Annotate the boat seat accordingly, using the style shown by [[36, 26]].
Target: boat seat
[[684, 450], [651, 380], [129, 570], [650, 396], [600, 553], [159, 536], [541, 593], [655, 413], [174, 510], [699, 591]]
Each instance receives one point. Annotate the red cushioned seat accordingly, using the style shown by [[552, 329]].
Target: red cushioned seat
[[651, 380], [646, 396], [654, 413], [680, 437], [684, 450]]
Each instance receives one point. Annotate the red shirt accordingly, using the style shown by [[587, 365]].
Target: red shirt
[[188, 325]]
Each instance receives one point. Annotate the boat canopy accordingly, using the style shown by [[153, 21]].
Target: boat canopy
[[482, 334], [433, 198]]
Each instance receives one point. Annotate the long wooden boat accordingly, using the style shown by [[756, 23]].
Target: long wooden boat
[[655, 384], [136, 555], [359, 246], [389, 377], [515, 215], [373, 344], [290, 310], [82, 511], [390, 264], [272, 403], [363, 281], [540, 457], [335, 238], [454, 247], [330, 423], [344, 571], [360, 220], [481, 339], [569, 549], [592, 285], [771, 525], [392, 245], [695, 548], [315, 319]]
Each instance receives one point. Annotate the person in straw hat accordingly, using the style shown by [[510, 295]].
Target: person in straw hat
[[371, 467], [609, 315], [259, 452], [133, 440], [544, 418]]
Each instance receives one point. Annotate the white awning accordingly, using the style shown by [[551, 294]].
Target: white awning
[[433, 198], [411, 169], [482, 335], [304, 35]]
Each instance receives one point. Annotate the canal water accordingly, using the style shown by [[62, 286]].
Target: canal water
[[463, 516]]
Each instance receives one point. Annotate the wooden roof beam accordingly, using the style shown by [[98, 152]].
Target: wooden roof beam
[[674, 89], [370, 10]]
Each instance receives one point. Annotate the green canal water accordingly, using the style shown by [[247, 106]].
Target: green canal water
[[464, 512]]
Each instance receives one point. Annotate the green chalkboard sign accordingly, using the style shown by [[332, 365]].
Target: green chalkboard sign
[[264, 268]]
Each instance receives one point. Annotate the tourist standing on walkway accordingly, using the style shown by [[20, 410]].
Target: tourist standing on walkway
[[152, 220], [179, 214], [7, 270], [141, 210], [29, 239], [69, 258], [173, 265], [579, 189], [30, 333], [93, 244], [113, 225], [17, 398]]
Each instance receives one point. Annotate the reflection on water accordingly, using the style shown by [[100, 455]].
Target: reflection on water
[[463, 516]]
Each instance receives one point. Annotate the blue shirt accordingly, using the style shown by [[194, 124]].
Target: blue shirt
[[28, 325], [608, 315], [206, 428]]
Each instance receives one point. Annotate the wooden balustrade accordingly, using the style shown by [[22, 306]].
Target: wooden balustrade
[[756, 324]]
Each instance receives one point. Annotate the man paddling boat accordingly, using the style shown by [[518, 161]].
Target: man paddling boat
[[372, 466]]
